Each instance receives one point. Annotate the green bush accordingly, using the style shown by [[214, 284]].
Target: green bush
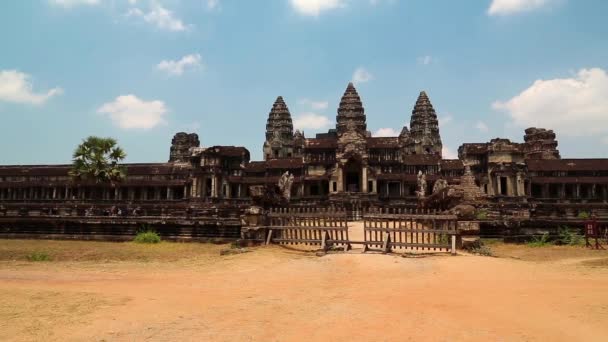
[[539, 241], [481, 215], [147, 237], [568, 236], [38, 256], [583, 215]]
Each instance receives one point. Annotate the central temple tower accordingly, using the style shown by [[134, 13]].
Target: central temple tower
[[424, 137]]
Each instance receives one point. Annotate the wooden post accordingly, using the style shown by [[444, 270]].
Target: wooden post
[[387, 243]]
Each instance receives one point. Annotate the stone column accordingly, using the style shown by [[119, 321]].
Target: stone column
[[169, 193], [213, 186], [364, 180], [340, 180], [194, 187], [498, 186], [577, 191]]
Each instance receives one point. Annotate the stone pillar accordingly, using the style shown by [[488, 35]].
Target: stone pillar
[[593, 191], [364, 180], [193, 192], [213, 186], [577, 191], [498, 186], [340, 180], [562, 191], [169, 193]]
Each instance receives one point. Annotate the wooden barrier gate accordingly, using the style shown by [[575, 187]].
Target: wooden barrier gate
[[410, 231], [322, 227]]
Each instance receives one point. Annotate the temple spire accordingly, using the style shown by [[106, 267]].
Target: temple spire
[[351, 114], [424, 127], [279, 131]]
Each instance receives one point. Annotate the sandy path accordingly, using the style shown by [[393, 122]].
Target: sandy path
[[273, 294]]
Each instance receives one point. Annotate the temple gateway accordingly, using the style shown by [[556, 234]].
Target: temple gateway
[[346, 166]]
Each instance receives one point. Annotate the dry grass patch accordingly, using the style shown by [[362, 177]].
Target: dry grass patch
[[546, 253], [23, 250], [32, 315]]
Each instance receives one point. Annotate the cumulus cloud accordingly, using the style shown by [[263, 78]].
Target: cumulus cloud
[[311, 121], [386, 132], [72, 3], [131, 112], [361, 75], [573, 106], [480, 125], [176, 68], [315, 7], [447, 153], [508, 7], [315, 105], [16, 87], [158, 16]]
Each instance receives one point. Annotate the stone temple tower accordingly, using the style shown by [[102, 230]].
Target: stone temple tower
[[351, 114], [424, 135], [279, 132]]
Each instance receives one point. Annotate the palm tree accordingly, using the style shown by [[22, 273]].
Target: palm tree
[[97, 159]]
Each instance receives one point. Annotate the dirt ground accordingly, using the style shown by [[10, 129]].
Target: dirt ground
[[92, 291]]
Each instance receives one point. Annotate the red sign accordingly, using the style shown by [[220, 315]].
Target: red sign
[[591, 228]]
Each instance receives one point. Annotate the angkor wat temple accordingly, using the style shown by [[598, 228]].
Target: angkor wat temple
[[346, 166]]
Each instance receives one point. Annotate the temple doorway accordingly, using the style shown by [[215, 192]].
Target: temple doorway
[[352, 176]]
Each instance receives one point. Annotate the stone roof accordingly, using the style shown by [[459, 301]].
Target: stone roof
[[62, 169], [567, 165], [383, 142], [229, 151], [451, 164], [321, 143]]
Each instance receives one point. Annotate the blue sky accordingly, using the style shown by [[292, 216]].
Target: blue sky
[[143, 70]]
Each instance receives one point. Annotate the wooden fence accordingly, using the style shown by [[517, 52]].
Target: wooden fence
[[324, 229], [410, 231]]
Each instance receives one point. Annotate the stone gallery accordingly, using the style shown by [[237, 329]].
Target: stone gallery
[[346, 167]]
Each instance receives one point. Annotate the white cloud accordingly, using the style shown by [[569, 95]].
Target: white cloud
[[159, 16], [130, 112], [480, 125], [507, 7], [445, 120], [16, 87], [72, 3], [315, 105], [361, 75], [573, 106], [604, 140], [315, 7], [425, 60], [311, 121], [386, 132], [212, 4], [447, 153], [176, 68]]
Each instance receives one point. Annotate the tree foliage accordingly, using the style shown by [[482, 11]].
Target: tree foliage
[[97, 159]]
